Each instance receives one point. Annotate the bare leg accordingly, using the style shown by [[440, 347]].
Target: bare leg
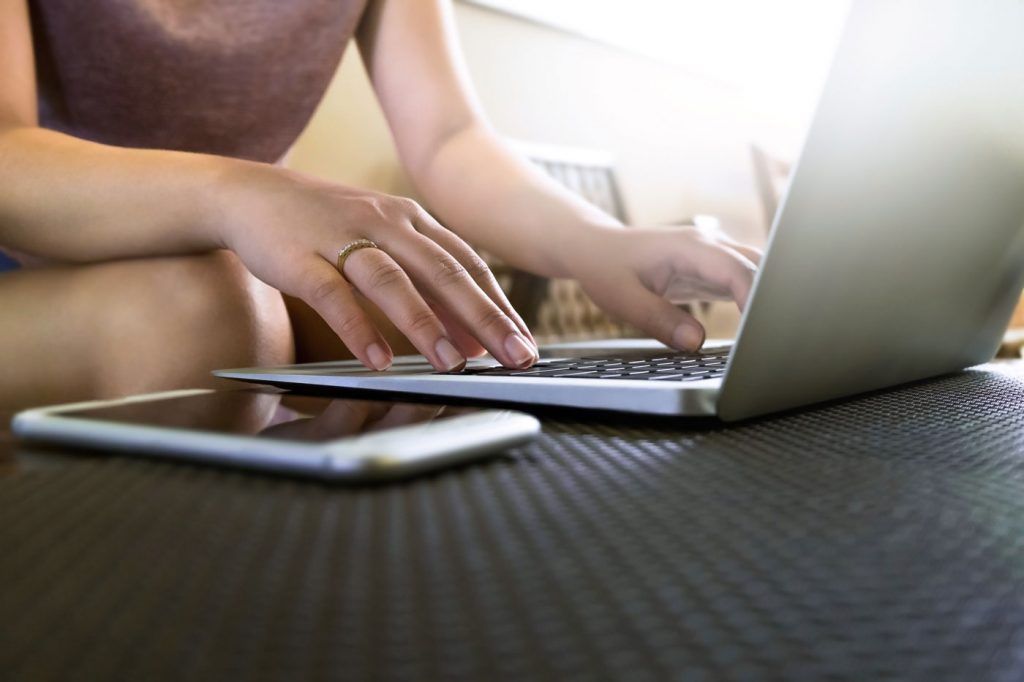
[[73, 333]]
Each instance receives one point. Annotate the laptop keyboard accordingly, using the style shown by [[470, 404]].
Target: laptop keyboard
[[664, 366]]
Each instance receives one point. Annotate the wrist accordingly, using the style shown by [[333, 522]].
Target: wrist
[[571, 242], [223, 186]]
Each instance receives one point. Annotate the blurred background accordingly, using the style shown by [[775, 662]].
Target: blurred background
[[693, 110]]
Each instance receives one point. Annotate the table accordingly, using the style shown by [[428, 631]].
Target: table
[[878, 538]]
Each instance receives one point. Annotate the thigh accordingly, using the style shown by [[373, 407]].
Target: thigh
[[73, 333]]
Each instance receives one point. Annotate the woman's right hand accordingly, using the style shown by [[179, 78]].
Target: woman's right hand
[[288, 229]]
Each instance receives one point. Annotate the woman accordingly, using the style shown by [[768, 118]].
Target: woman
[[158, 239]]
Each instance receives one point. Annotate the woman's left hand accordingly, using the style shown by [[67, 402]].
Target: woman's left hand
[[636, 274]]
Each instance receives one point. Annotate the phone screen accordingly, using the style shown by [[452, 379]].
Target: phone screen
[[268, 413]]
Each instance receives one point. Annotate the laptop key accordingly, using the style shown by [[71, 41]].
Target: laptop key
[[683, 367]]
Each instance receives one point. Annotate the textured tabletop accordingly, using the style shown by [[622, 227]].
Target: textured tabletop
[[872, 539]]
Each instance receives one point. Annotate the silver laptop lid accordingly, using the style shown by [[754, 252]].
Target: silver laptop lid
[[898, 251]]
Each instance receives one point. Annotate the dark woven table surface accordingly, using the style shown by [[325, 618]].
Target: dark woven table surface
[[879, 538]]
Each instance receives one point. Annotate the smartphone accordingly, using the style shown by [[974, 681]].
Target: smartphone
[[271, 430]]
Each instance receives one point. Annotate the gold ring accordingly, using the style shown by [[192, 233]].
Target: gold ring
[[351, 248]]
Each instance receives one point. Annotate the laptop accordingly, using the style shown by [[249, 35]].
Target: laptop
[[896, 255]]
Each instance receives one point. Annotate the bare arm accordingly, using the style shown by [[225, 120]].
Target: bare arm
[[501, 203], [495, 199], [65, 199], [69, 200]]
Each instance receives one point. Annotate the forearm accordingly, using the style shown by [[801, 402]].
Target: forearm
[[496, 200], [65, 199]]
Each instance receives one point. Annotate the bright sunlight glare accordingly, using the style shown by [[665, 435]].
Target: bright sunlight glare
[[777, 53]]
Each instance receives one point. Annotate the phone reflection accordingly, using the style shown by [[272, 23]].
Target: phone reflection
[[309, 418], [270, 413]]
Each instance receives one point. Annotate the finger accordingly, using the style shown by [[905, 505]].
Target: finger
[[747, 260], [474, 264], [754, 255], [383, 281], [460, 336], [446, 281], [628, 299], [327, 292], [720, 266]]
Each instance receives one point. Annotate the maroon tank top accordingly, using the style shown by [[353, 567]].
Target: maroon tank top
[[237, 78]]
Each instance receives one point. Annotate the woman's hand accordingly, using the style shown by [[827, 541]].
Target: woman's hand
[[288, 229], [636, 274]]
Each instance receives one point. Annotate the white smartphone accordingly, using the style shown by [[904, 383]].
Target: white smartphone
[[275, 431]]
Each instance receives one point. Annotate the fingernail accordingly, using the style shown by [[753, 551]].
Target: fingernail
[[379, 358], [519, 351], [450, 358], [687, 337]]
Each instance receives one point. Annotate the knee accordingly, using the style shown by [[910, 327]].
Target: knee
[[189, 316], [234, 317]]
